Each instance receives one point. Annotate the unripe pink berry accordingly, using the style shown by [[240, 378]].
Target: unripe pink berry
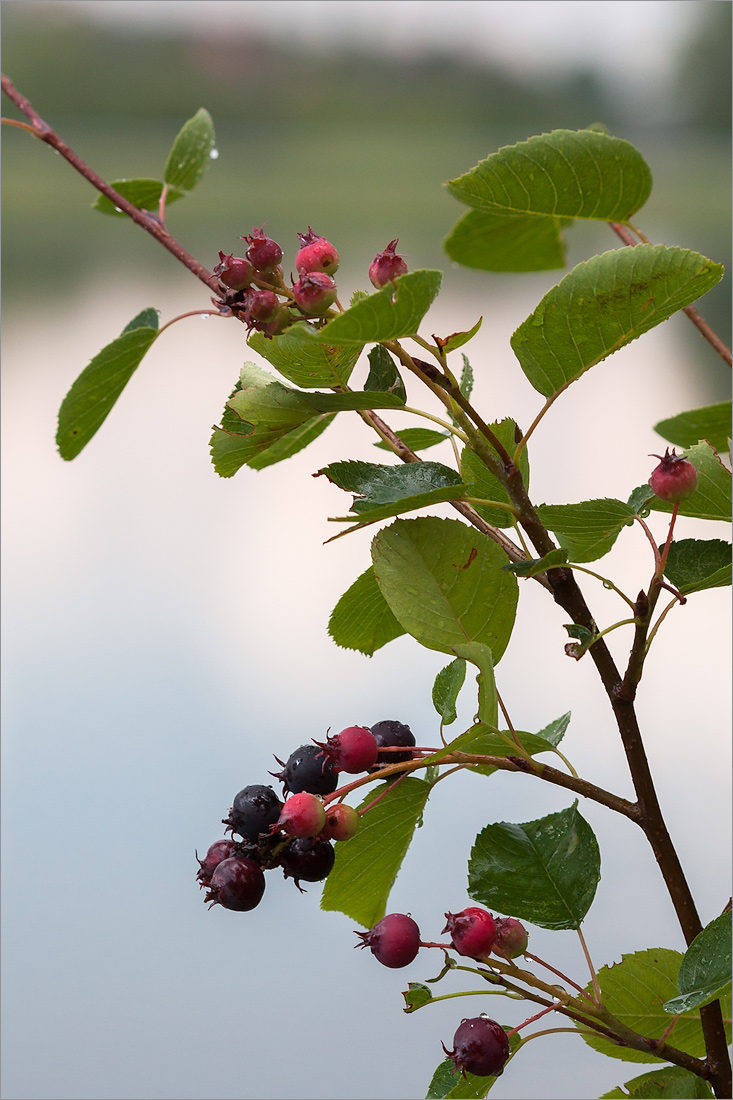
[[314, 292], [302, 815], [353, 750], [386, 266], [674, 479], [472, 931], [316, 254], [342, 822], [263, 253], [260, 305], [234, 271], [511, 938]]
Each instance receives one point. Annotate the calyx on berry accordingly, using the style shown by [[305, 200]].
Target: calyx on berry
[[394, 941], [262, 252], [314, 293], [234, 271], [511, 938], [674, 479], [237, 884], [217, 853], [480, 1046], [302, 815], [386, 266], [352, 751], [316, 254], [472, 931]]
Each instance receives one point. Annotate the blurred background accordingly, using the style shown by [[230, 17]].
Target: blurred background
[[165, 630]]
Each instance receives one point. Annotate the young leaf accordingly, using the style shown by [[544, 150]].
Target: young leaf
[[445, 584], [362, 619], [587, 530], [142, 193], [449, 1083], [635, 991], [712, 498], [191, 152], [416, 995], [466, 383], [303, 361], [543, 871], [603, 304], [712, 423], [639, 499], [417, 439], [670, 1083], [230, 450], [555, 731], [705, 971], [482, 483], [448, 684], [366, 867], [383, 373], [93, 394], [696, 564], [391, 313], [376, 485], [458, 339]]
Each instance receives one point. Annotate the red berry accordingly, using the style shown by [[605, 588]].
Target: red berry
[[353, 750], [237, 884], [342, 822], [233, 271], [386, 266], [316, 254], [674, 478], [217, 853], [314, 292], [394, 941], [392, 733], [263, 253], [480, 1046], [511, 938], [472, 932], [260, 305], [302, 815]]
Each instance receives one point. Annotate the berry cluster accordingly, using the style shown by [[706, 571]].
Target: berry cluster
[[480, 1045], [295, 833], [253, 289]]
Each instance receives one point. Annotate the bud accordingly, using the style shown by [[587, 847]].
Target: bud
[[316, 254], [386, 266], [674, 479]]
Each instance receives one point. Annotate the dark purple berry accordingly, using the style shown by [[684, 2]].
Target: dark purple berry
[[386, 266], [389, 733], [511, 938], [472, 931], [394, 941], [316, 254], [237, 884], [314, 292], [253, 811], [233, 271], [307, 769], [342, 822], [674, 479], [219, 851], [302, 815], [308, 859], [480, 1046], [353, 750], [262, 252]]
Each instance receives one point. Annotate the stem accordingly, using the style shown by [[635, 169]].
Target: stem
[[436, 420], [191, 313], [564, 977], [593, 975], [605, 581]]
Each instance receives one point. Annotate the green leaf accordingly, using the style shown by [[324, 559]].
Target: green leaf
[[376, 485], [696, 564], [303, 361], [416, 995], [448, 1083], [417, 439], [232, 450], [394, 311], [534, 566], [544, 871], [366, 867], [635, 991], [383, 373], [445, 584], [446, 688], [488, 700], [603, 304], [713, 423], [705, 971], [191, 152], [483, 484], [587, 530], [712, 498], [670, 1083], [458, 339], [639, 499], [507, 242], [466, 383], [362, 619], [483, 740], [555, 732], [93, 394], [142, 193]]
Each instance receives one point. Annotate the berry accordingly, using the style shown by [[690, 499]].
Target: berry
[[480, 1046], [314, 292], [302, 815], [282, 319], [386, 266], [237, 884], [233, 271], [308, 859], [262, 252], [472, 931], [389, 733], [219, 851], [674, 478], [511, 938], [316, 254], [307, 770], [353, 750], [342, 822], [253, 811], [260, 305], [394, 941]]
